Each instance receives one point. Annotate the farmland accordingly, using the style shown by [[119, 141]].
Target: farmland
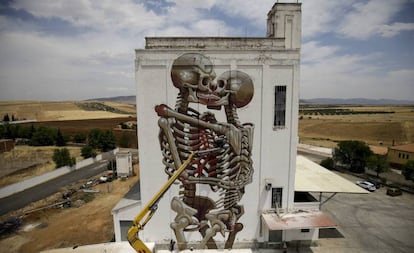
[[65, 110], [376, 125]]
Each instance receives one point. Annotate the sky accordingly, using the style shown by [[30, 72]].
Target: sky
[[82, 49]]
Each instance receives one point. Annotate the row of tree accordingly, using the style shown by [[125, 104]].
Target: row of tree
[[356, 156], [49, 136], [98, 141], [34, 136]]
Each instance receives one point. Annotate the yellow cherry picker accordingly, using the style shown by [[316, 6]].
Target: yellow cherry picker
[[149, 210]]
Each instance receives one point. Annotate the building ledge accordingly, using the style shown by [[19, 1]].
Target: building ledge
[[224, 43]]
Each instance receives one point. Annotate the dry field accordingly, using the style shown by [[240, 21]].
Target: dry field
[[62, 110], [24, 162], [376, 125]]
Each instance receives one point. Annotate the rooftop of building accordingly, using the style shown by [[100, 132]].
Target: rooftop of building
[[405, 147], [379, 150], [188, 43]]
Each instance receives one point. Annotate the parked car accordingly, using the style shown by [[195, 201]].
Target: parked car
[[375, 182], [394, 191], [366, 185]]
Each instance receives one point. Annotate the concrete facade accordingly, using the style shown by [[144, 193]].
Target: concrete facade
[[270, 62]]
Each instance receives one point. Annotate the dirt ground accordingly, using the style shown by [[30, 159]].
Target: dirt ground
[[68, 227]]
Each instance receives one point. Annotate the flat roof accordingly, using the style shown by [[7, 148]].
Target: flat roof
[[298, 220], [311, 177]]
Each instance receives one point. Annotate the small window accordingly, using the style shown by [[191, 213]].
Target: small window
[[279, 119], [305, 230], [276, 197], [408, 156]]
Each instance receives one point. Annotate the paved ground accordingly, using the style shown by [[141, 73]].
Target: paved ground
[[371, 222], [41, 191]]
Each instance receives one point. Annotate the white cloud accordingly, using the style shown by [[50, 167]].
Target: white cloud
[[321, 16], [394, 29], [255, 11], [313, 52], [101, 15], [371, 18], [341, 75], [101, 54]]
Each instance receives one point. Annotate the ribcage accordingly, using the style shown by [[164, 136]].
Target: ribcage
[[223, 170]]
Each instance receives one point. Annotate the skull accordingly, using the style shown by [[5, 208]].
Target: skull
[[193, 74], [239, 84]]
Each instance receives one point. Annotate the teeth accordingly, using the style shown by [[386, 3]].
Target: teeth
[[207, 96]]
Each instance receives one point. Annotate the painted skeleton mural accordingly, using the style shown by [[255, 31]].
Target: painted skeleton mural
[[226, 167]]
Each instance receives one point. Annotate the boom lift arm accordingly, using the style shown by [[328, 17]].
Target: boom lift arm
[[149, 210]]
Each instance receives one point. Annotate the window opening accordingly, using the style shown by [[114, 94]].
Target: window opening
[[280, 107], [277, 197]]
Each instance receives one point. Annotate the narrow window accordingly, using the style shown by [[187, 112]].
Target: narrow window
[[276, 197], [280, 107]]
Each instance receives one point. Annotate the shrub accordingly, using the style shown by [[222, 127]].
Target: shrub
[[327, 163], [62, 157], [87, 151]]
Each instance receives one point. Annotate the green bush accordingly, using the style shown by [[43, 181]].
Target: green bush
[[62, 157], [327, 163]]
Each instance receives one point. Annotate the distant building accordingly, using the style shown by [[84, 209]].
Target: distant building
[[399, 155], [6, 145], [124, 164]]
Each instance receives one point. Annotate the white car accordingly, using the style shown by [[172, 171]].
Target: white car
[[366, 185]]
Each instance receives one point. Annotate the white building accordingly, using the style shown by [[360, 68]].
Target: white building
[[272, 63], [124, 164]]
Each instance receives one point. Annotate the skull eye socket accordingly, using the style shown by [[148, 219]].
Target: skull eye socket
[[221, 83], [205, 81]]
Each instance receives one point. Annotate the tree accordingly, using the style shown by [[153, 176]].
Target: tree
[[43, 136], [408, 170], [62, 157], [352, 154], [6, 118], [60, 140], [378, 164], [103, 140], [327, 163], [79, 138], [87, 151], [124, 141]]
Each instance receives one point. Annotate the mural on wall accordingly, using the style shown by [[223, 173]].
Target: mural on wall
[[226, 166]]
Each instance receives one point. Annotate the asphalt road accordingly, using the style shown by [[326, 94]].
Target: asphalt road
[[22, 199]]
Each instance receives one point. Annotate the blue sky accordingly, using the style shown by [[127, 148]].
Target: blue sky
[[73, 50]]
